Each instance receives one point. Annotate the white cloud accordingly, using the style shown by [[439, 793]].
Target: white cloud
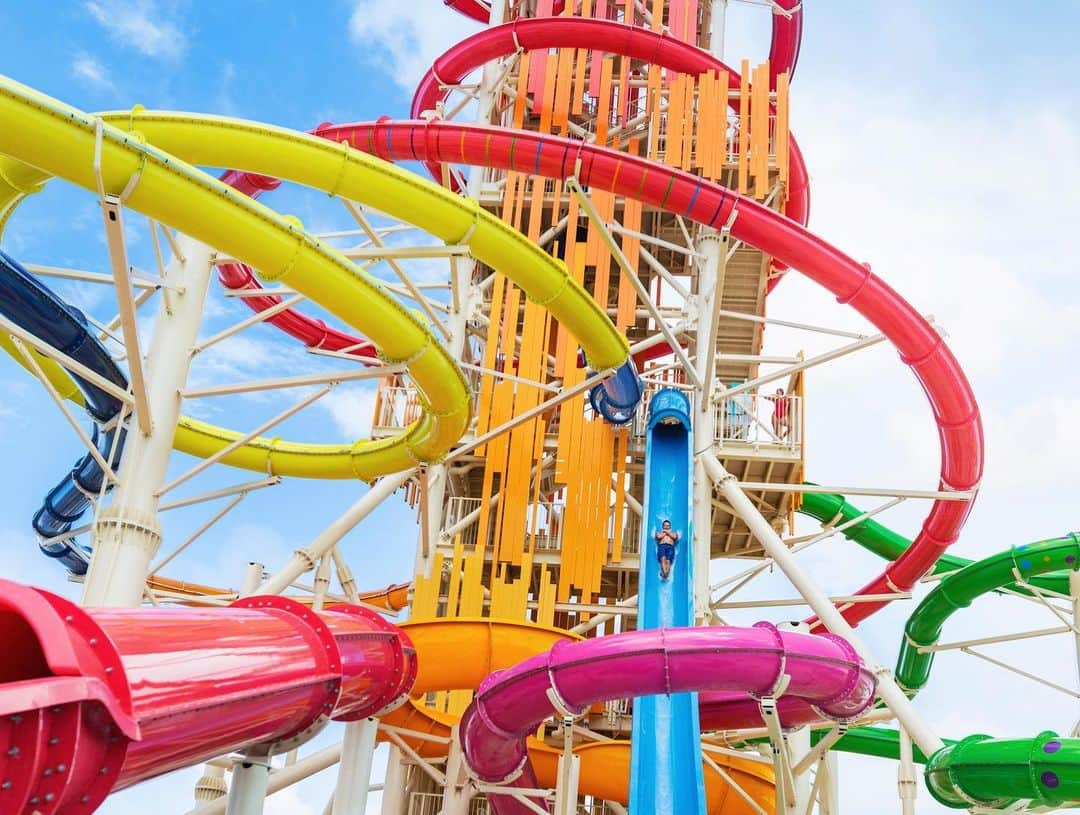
[[351, 408], [403, 41], [140, 24], [89, 70]]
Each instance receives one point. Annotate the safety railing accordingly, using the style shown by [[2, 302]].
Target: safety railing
[[757, 420], [430, 803]]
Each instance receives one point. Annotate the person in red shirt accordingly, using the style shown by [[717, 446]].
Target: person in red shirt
[[781, 417]]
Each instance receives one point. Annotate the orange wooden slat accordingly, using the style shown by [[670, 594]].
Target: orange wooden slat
[[744, 125]]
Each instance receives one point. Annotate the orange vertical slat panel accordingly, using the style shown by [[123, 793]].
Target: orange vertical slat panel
[[673, 130], [620, 495], [759, 130], [782, 125], [564, 83], [657, 15], [687, 122], [471, 603], [603, 104], [744, 128], [453, 591], [545, 601], [522, 90]]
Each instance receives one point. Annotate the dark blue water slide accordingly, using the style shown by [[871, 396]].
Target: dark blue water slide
[[665, 757], [617, 398], [37, 309]]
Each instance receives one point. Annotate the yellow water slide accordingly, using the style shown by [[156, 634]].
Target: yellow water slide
[[151, 154]]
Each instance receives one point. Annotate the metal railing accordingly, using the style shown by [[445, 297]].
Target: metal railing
[[759, 420], [430, 803], [398, 406]]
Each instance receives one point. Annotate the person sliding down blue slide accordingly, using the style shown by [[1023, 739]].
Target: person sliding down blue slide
[[35, 308]]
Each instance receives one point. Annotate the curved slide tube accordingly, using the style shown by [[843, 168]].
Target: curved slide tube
[[495, 645], [32, 306], [958, 589], [823, 669], [885, 543], [202, 207], [665, 771], [312, 332], [783, 49], [601, 35], [919, 345], [96, 700]]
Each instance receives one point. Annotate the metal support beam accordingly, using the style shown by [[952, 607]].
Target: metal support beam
[[354, 771], [631, 274], [113, 213], [304, 560], [250, 783], [127, 535], [888, 689]]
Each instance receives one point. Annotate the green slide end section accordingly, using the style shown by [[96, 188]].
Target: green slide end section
[[996, 772], [889, 545], [978, 770], [880, 742], [958, 589]]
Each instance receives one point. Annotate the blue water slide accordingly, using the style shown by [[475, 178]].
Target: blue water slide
[[35, 308], [665, 757], [617, 398]]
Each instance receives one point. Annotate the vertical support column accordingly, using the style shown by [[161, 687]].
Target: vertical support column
[[127, 534], [462, 304], [457, 792], [718, 20], [828, 791], [354, 771], [566, 787], [798, 742], [711, 272], [393, 798], [251, 776], [906, 777]]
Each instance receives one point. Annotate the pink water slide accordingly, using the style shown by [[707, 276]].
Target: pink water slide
[[95, 700], [825, 679]]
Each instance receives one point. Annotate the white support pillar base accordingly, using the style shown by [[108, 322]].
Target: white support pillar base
[[127, 534], [250, 779], [393, 799], [354, 771]]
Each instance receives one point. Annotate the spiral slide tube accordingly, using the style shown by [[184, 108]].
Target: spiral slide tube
[[31, 306], [312, 332], [95, 700], [598, 35], [196, 204], [823, 669], [890, 545], [665, 770], [920, 346]]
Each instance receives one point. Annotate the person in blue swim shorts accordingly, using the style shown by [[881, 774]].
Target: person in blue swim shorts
[[666, 540]]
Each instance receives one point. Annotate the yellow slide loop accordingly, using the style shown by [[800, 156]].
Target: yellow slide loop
[[60, 140]]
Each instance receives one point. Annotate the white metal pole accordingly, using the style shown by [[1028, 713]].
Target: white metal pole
[[829, 791], [710, 284], [393, 799], [127, 534], [906, 777], [304, 560], [354, 771], [718, 18], [798, 741], [251, 776], [889, 691]]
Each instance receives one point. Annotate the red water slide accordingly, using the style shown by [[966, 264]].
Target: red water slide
[[95, 700]]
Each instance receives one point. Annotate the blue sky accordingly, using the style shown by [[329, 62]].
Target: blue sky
[[943, 141]]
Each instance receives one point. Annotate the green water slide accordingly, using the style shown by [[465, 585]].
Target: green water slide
[[977, 770]]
